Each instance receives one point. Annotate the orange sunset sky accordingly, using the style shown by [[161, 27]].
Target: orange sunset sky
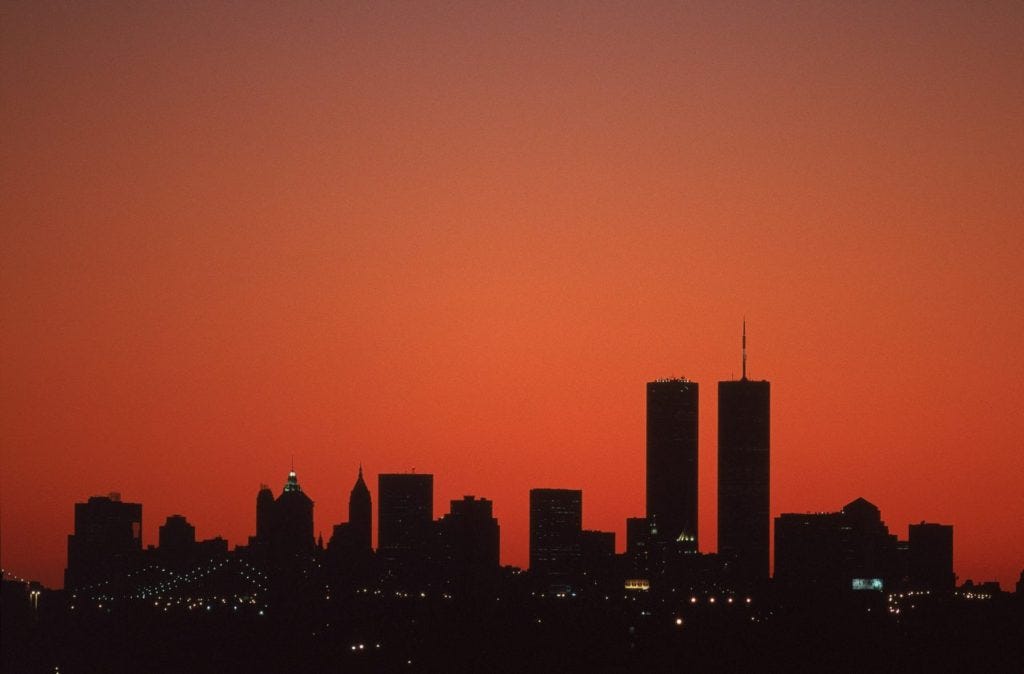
[[461, 237]]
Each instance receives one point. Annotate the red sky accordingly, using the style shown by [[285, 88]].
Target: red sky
[[460, 238]]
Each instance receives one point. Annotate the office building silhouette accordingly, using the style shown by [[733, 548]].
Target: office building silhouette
[[291, 540], [470, 539], [672, 406], [177, 535], [405, 513], [930, 557], [556, 521], [264, 515], [826, 552], [177, 540], [360, 515], [107, 542], [744, 441], [350, 551], [638, 535]]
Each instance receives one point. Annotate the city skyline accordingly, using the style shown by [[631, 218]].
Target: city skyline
[[662, 402], [460, 239], [664, 397], [405, 505], [870, 598]]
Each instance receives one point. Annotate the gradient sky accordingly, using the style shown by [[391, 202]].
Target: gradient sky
[[461, 237]]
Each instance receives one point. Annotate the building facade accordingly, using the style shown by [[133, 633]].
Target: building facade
[[292, 533], [930, 557], [744, 441], [360, 515], [471, 540], [107, 542], [405, 512], [828, 553], [556, 520], [672, 406]]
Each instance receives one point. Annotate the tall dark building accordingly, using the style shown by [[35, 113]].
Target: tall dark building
[[638, 535], [812, 551], [556, 521], [744, 442], [471, 541], [177, 539], [828, 552], [360, 515], [597, 548], [292, 523], [405, 512], [930, 563], [672, 461], [107, 542], [352, 540], [264, 515]]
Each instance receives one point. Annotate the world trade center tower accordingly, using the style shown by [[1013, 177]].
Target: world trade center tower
[[672, 461], [744, 519]]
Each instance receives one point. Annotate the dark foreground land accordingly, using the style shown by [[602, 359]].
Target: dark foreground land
[[376, 631]]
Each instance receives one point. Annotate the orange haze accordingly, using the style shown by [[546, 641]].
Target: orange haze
[[460, 238]]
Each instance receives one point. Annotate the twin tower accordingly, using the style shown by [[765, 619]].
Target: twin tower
[[744, 423]]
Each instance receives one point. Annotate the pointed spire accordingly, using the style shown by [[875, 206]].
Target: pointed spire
[[744, 348], [292, 483], [360, 485]]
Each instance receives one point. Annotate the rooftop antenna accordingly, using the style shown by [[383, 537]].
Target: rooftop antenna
[[744, 348]]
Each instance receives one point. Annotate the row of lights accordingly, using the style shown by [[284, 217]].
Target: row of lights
[[728, 600], [180, 578]]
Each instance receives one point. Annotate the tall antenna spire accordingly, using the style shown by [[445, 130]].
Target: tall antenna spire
[[744, 347]]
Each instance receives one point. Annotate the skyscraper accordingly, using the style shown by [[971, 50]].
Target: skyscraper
[[177, 539], [360, 515], [293, 523], [930, 566], [672, 461], [744, 517], [405, 512], [107, 542], [264, 515], [471, 541], [638, 535], [556, 520]]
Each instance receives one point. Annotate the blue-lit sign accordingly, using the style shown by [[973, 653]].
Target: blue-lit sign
[[867, 584]]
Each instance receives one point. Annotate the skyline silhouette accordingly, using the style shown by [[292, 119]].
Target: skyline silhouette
[[289, 598], [672, 422], [461, 237], [405, 528]]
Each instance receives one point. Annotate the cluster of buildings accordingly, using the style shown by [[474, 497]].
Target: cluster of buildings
[[463, 544], [824, 552]]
